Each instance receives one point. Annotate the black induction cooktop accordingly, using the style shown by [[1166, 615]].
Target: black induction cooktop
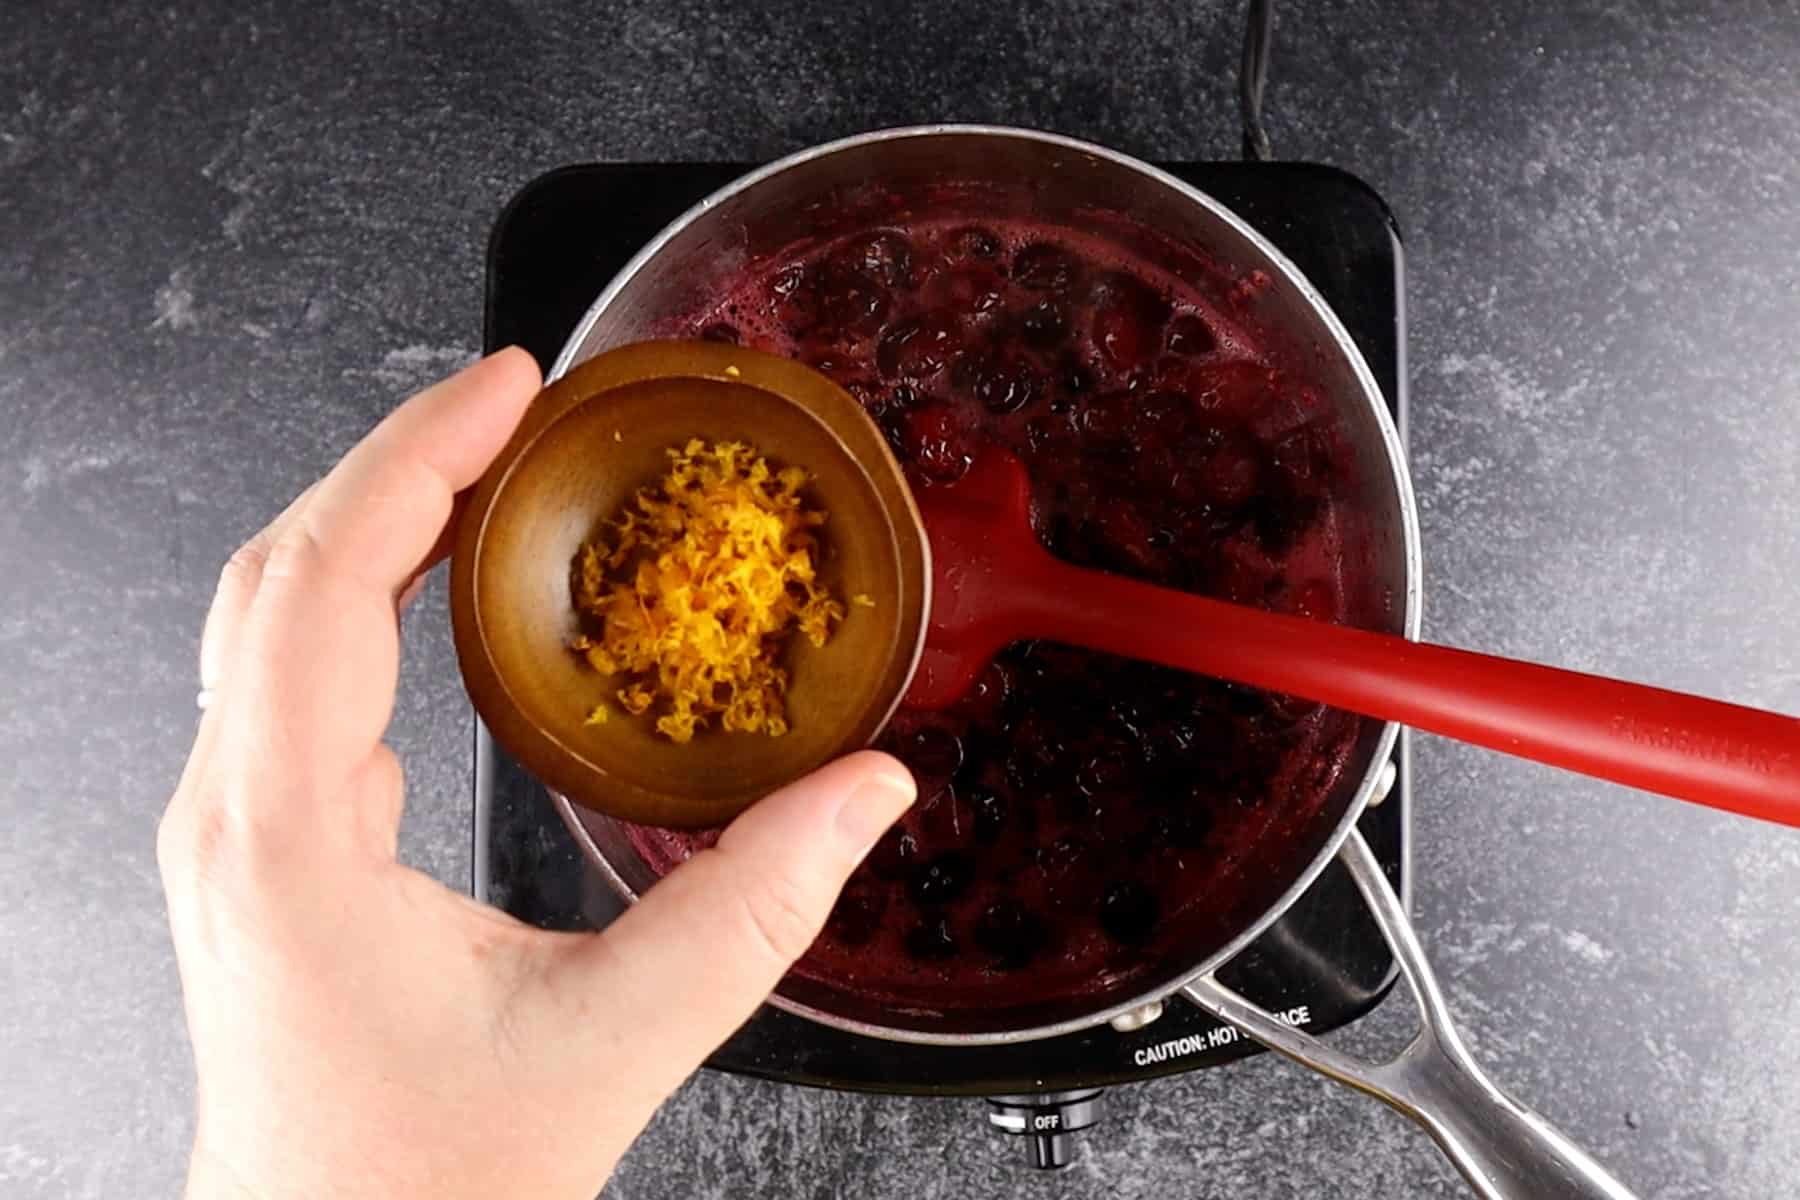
[[1323, 965]]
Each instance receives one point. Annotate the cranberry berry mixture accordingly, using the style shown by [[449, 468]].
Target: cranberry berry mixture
[[1074, 806]]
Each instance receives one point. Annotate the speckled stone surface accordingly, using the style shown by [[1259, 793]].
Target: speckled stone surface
[[231, 235]]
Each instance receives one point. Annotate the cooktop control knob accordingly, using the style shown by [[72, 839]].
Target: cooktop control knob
[[1049, 1119]]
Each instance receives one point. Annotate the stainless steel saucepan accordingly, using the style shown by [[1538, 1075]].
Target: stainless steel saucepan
[[1501, 1147]]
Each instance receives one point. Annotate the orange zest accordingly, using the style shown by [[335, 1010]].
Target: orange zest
[[696, 588]]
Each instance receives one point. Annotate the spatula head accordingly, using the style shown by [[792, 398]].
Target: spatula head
[[982, 546]]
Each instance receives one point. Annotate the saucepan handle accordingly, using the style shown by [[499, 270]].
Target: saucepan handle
[[1505, 1150]]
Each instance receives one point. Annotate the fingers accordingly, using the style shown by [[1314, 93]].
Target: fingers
[[242, 574], [314, 657], [377, 516], [236, 588], [695, 957], [440, 550]]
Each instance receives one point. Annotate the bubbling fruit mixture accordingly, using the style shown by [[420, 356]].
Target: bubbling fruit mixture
[[1074, 809]]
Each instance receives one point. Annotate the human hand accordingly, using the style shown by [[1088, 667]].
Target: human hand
[[360, 1030]]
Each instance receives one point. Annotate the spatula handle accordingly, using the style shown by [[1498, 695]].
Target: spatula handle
[[1743, 760]]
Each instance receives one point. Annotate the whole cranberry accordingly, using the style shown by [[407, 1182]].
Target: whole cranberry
[[1108, 776], [1236, 389], [943, 879], [1047, 438], [1189, 335], [944, 822], [1230, 472], [794, 292], [1072, 379], [936, 443], [1160, 418], [1012, 934], [1120, 336], [932, 754], [904, 397], [1009, 384], [1128, 320], [883, 256], [852, 303], [1301, 460], [1129, 911], [917, 348], [897, 431], [1070, 866], [1043, 324], [895, 855], [972, 241], [1185, 824], [987, 810], [1127, 534], [1106, 418], [973, 292], [1035, 758], [1045, 267], [989, 692], [1001, 382], [866, 393]]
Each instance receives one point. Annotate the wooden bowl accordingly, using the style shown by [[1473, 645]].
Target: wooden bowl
[[588, 442]]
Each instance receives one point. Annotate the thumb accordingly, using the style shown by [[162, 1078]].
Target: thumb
[[694, 958]]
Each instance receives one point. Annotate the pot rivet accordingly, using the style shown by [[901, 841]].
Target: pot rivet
[[1384, 785], [1137, 1018]]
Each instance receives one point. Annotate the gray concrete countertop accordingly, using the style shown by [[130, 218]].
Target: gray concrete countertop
[[231, 235]]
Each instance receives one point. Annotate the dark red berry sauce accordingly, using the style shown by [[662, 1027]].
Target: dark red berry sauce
[[1077, 812]]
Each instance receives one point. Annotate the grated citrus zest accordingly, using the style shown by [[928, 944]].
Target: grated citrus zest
[[703, 579]]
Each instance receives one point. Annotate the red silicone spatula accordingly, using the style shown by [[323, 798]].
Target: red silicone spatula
[[994, 584]]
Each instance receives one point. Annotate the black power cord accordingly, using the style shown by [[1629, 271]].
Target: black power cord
[[1253, 74]]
